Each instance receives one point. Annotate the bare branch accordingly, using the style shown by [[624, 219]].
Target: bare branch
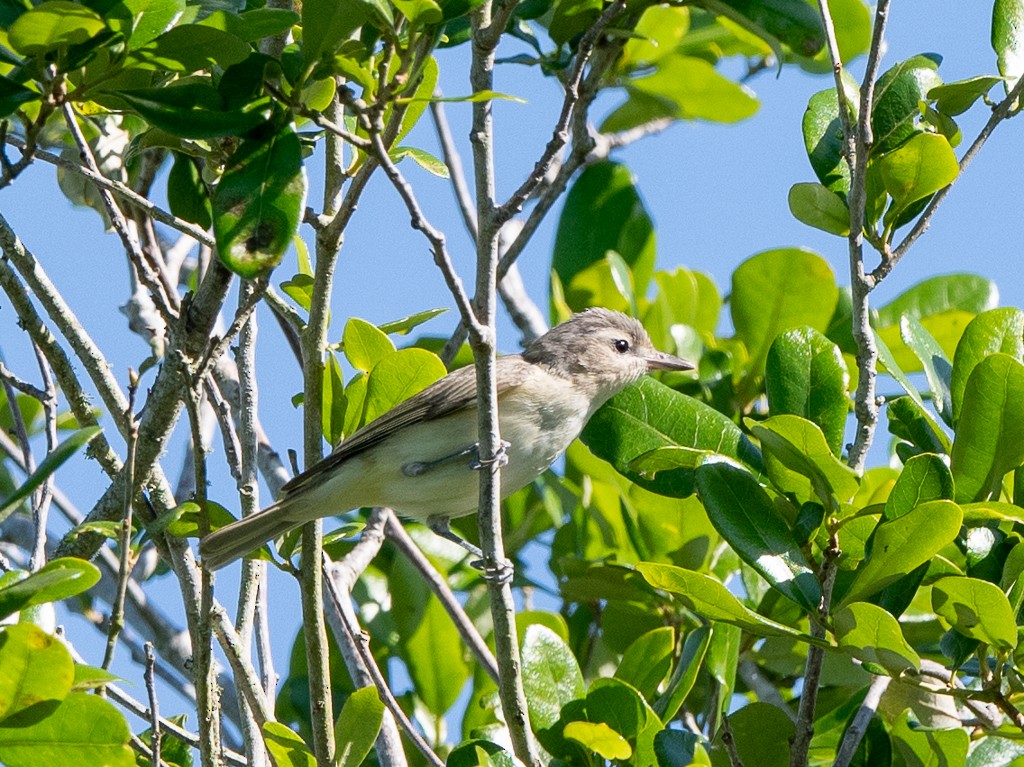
[[859, 726]]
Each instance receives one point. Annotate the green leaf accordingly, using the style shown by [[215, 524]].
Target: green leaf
[[356, 729], [326, 24], [551, 676], [13, 95], [406, 324], [925, 746], [398, 376], [647, 661], [37, 668], [805, 375], [187, 195], [253, 25], [420, 11], [997, 330], [967, 292], [761, 735], [823, 136], [285, 747], [898, 96], [990, 434], [572, 18], [1008, 39], [258, 203], [675, 747], [83, 729], [977, 609], [333, 401], [600, 738], [190, 48], [885, 358], [820, 207], [918, 168], [684, 677], [777, 290], [745, 516], [897, 546], [650, 415], [792, 22], [937, 368], [476, 752], [300, 289], [91, 678], [708, 597], [695, 90], [603, 211], [53, 461], [872, 635], [424, 159], [195, 110], [54, 581], [51, 25], [957, 97], [799, 446], [365, 345], [925, 477]]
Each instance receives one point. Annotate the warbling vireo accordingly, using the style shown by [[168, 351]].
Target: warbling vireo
[[419, 457]]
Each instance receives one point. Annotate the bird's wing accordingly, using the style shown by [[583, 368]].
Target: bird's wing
[[456, 391]]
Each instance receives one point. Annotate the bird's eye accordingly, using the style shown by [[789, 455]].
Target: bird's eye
[[622, 346]]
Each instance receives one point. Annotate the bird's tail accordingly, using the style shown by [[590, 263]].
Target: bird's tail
[[224, 546]]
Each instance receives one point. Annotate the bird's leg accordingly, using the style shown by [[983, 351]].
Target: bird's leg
[[441, 527], [417, 468]]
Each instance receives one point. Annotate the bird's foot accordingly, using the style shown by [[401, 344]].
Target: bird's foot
[[500, 457], [501, 571]]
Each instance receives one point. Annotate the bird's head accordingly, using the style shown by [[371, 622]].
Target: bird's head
[[601, 349]]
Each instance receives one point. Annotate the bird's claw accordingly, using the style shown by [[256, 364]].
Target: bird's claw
[[500, 572], [500, 457]]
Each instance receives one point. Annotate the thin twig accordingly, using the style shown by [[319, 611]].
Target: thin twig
[[394, 530], [859, 726], [456, 173], [154, 706]]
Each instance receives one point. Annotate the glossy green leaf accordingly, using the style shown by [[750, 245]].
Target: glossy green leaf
[[572, 18], [818, 206], [675, 747], [53, 461], [603, 211], [872, 635], [805, 375], [476, 752], [54, 581], [744, 514], [918, 168], [190, 48], [600, 738], [957, 97], [898, 95], [887, 361], [253, 25], [899, 545], [91, 678], [551, 676], [398, 376], [365, 345], [799, 446], [696, 91], [852, 21], [51, 25], [647, 661], [990, 433], [967, 292], [300, 289], [258, 203], [333, 401], [761, 734], [1008, 39], [286, 747], [406, 324], [925, 477], [926, 746], [977, 609], [195, 110], [326, 24], [83, 729], [425, 160], [650, 415], [997, 330], [36, 668], [777, 290], [659, 31], [792, 22], [355, 402], [356, 729], [684, 676], [13, 95], [420, 11], [823, 136], [992, 511], [708, 597], [187, 195], [937, 368]]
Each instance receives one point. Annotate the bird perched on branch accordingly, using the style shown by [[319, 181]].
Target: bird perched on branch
[[420, 458]]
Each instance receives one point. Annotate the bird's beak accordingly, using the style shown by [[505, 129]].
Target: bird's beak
[[660, 361]]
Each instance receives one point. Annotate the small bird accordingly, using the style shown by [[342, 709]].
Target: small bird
[[420, 457]]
